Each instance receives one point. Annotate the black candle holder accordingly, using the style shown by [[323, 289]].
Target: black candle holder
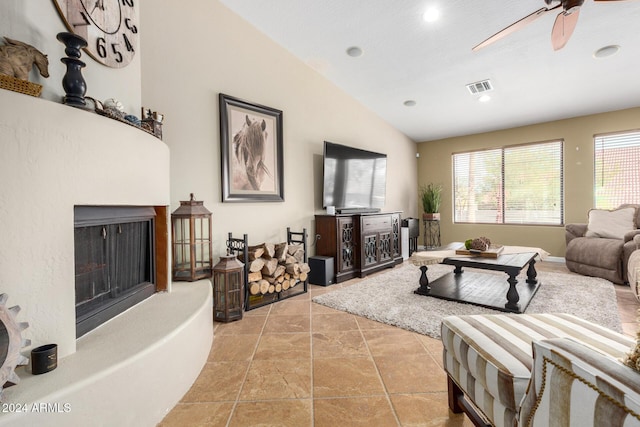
[[44, 359], [73, 82]]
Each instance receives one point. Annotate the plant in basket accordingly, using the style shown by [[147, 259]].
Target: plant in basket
[[431, 198]]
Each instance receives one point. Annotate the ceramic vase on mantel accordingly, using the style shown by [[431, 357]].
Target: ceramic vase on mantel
[[73, 82]]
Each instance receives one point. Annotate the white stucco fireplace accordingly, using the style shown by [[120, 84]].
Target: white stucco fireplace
[[55, 158]]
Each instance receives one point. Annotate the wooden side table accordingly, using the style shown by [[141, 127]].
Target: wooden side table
[[431, 236]]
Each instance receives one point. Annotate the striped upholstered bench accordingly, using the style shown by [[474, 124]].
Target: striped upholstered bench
[[489, 361]]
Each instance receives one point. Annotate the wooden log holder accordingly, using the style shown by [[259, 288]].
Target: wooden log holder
[[272, 272]]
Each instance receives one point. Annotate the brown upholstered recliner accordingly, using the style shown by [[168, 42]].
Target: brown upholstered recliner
[[598, 256]]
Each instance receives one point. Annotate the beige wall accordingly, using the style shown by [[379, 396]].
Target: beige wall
[[191, 54], [435, 166]]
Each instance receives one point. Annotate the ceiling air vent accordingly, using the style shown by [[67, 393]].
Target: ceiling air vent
[[480, 87]]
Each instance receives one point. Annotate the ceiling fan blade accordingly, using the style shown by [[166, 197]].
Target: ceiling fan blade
[[514, 27], [563, 28]]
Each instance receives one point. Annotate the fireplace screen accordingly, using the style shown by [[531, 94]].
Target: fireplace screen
[[114, 262]]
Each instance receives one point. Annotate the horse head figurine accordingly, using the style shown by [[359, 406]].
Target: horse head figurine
[[18, 58]]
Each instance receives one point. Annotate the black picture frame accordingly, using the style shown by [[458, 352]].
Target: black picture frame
[[251, 151]]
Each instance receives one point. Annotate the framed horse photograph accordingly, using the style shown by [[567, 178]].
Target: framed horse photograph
[[251, 151]]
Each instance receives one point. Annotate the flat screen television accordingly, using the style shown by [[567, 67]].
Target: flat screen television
[[354, 179]]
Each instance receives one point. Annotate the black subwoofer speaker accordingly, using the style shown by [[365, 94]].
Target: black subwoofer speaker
[[321, 270]]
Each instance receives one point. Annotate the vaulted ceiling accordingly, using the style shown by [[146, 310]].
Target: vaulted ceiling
[[404, 58]]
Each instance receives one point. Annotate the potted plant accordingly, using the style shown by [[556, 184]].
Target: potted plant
[[431, 197]]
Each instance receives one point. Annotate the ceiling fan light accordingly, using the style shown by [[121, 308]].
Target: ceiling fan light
[[573, 9], [606, 51], [571, 6]]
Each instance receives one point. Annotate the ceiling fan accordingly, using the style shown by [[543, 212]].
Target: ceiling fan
[[562, 28]]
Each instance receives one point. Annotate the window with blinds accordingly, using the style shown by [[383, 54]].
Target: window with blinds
[[616, 169], [520, 184]]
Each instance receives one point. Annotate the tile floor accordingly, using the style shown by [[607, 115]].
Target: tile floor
[[296, 363]]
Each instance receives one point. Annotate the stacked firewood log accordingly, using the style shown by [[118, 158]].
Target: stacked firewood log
[[275, 267]]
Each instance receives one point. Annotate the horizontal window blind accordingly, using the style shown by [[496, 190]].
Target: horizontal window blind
[[617, 169], [478, 186], [520, 184]]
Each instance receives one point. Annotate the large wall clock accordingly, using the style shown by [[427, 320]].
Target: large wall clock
[[109, 26]]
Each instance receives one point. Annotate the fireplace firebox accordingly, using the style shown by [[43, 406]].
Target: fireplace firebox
[[114, 261]]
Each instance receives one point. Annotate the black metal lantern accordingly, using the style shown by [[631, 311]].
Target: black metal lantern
[[191, 237], [228, 289]]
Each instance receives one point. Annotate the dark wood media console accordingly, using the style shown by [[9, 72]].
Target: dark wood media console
[[359, 243]]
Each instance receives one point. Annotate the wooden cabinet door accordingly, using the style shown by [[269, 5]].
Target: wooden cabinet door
[[377, 240], [385, 247], [370, 254], [396, 225], [346, 245]]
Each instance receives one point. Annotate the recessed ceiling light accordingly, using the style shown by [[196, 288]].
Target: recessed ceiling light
[[354, 51], [484, 98], [431, 14], [603, 52], [409, 103]]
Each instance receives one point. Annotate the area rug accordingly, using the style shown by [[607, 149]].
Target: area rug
[[388, 298]]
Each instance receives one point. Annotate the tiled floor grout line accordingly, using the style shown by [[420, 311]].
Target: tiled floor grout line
[[384, 386], [313, 417], [246, 374]]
